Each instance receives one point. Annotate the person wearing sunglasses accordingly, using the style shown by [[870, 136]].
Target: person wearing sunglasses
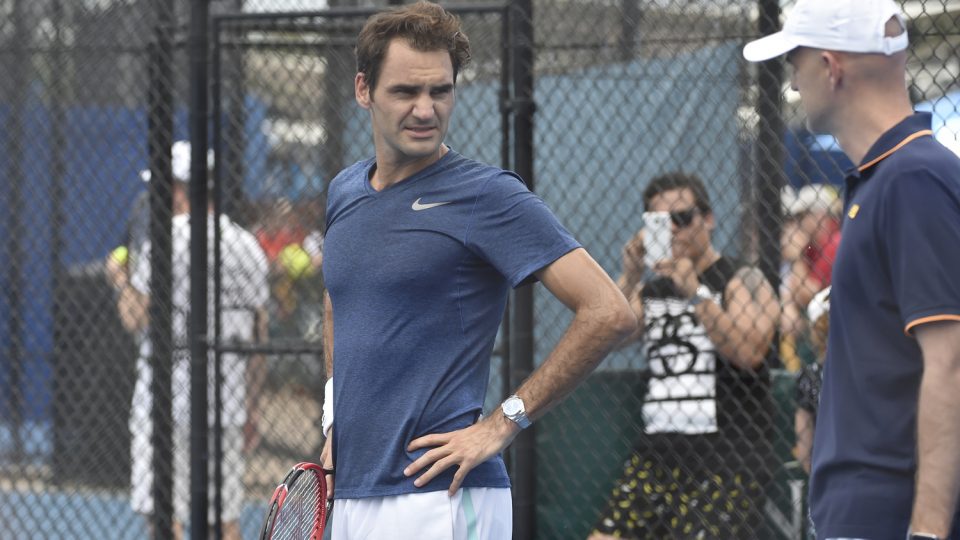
[[707, 326]]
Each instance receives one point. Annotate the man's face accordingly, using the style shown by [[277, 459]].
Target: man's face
[[689, 226], [810, 77], [411, 105]]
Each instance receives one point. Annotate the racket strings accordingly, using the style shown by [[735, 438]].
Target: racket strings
[[298, 516]]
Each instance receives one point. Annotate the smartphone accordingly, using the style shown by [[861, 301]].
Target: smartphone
[[656, 238]]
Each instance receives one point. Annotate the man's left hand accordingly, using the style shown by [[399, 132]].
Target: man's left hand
[[683, 274], [464, 449]]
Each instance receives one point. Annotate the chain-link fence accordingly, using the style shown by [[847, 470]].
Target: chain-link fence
[[682, 431]]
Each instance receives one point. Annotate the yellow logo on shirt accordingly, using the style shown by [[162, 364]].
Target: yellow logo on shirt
[[853, 211]]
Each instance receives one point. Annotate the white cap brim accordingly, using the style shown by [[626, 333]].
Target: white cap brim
[[768, 47]]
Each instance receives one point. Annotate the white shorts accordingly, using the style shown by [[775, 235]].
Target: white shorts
[[471, 514]]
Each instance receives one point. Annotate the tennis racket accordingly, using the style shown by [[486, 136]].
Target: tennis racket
[[299, 506]]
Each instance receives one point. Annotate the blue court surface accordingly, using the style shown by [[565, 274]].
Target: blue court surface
[[91, 515]]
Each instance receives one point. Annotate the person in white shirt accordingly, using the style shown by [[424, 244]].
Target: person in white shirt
[[244, 295]]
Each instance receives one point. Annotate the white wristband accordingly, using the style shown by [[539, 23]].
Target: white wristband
[[327, 421]]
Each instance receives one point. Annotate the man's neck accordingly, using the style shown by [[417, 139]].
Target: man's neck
[[388, 172], [866, 121]]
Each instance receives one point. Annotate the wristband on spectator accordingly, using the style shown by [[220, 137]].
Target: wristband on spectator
[[327, 421]]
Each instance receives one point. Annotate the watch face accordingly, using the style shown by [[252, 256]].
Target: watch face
[[512, 406]]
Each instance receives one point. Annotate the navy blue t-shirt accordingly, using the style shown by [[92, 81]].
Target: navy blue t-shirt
[[898, 266], [418, 275]]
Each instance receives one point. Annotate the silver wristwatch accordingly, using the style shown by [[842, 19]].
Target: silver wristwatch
[[702, 293], [513, 409]]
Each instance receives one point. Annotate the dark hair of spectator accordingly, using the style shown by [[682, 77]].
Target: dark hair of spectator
[[426, 27], [678, 180]]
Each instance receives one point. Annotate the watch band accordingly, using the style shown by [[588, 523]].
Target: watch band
[[515, 411], [922, 536], [702, 293]]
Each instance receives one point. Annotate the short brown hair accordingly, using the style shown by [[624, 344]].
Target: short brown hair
[[678, 180], [426, 27]]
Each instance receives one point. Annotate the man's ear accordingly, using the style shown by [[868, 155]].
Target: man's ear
[[362, 91], [833, 63]]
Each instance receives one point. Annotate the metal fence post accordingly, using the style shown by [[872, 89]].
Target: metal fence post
[[524, 448], [769, 149], [160, 139], [14, 175], [198, 50]]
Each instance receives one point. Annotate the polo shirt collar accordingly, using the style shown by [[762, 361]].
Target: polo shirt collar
[[916, 125]]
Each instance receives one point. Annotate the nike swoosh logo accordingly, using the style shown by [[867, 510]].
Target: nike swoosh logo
[[417, 206]]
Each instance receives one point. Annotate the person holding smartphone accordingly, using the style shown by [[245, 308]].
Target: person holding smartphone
[[707, 325]]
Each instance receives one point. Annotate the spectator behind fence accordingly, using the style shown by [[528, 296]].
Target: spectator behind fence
[[700, 466], [422, 247], [243, 296], [810, 236], [886, 453], [296, 287], [807, 392]]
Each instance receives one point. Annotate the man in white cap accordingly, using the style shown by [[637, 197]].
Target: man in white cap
[[886, 457], [244, 294]]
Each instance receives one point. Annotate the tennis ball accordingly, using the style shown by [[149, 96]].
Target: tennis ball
[[120, 255], [296, 261]]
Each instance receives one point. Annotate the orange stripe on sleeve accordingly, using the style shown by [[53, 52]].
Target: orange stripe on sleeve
[[930, 319]]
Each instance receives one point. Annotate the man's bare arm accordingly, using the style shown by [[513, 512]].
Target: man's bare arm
[[327, 334], [630, 282], [635, 299], [602, 318], [631, 272], [803, 427], [326, 455], [743, 332], [132, 306], [938, 431]]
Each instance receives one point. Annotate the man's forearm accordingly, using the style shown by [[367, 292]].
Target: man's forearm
[[327, 420], [588, 339], [132, 308], [743, 330], [938, 441], [741, 347], [328, 335]]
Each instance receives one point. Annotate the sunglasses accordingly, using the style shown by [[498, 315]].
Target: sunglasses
[[683, 218]]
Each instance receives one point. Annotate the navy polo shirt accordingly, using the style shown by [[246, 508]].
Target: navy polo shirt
[[898, 266]]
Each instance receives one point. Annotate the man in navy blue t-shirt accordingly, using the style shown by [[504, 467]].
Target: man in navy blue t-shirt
[[421, 249], [886, 457]]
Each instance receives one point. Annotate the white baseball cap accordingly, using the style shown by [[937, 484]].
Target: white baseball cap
[[180, 155], [811, 198], [855, 26]]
